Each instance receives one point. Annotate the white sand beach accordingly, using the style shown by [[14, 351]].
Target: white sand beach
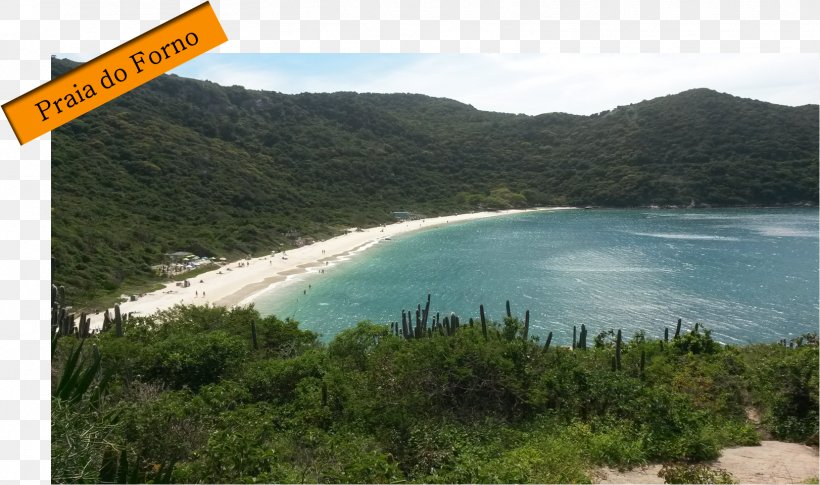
[[232, 284]]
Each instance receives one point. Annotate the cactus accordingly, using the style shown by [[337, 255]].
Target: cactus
[[666, 334], [447, 327], [574, 332], [85, 326], [68, 325], [55, 322], [117, 321], [509, 313], [696, 327], [253, 335], [426, 312], [582, 341], [471, 322], [58, 322], [526, 325], [106, 321], [483, 322], [547, 344], [618, 351], [677, 329]]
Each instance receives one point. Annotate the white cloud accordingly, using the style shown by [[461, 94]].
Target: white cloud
[[531, 84]]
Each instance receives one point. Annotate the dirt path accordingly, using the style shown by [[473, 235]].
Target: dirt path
[[772, 462]]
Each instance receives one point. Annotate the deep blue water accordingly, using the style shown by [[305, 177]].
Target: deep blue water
[[750, 275]]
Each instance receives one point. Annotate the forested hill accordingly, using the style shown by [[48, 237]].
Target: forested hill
[[180, 164]]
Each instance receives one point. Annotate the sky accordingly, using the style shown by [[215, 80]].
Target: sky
[[519, 83]]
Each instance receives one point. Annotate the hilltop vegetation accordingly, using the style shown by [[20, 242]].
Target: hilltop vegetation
[[213, 395], [186, 165]]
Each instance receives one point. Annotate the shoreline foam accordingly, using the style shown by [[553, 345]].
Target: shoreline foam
[[240, 285]]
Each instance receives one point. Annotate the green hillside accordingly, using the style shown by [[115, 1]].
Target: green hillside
[[180, 164]]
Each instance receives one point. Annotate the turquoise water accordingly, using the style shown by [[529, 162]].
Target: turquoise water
[[750, 275]]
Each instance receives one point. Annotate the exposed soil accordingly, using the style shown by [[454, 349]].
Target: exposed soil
[[772, 462]]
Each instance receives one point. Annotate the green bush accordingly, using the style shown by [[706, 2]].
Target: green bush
[[190, 401], [783, 382], [696, 342], [192, 360], [276, 380], [688, 473], [554, 458], [161, 430]]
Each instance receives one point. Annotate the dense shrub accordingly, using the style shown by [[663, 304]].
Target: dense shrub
[[190, 400], [688, 473], [192, 360], [784, 384]]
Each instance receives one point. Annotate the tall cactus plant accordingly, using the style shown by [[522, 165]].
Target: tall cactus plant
[[117, 321], [526, 325], [483, 321], [425, 314]]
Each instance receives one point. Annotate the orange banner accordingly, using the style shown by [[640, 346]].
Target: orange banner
[[114, 73]]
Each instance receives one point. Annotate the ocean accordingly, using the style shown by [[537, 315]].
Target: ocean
[[748, 275]]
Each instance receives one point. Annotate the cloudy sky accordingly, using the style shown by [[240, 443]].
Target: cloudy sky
[[530, 84]]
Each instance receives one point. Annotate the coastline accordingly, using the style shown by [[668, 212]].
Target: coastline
[[232, 285]]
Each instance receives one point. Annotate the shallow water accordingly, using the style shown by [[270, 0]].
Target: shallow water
[[750, 275]]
